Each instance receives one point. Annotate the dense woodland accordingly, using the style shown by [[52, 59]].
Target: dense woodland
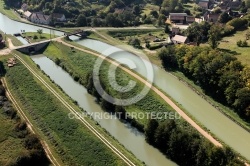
[[116, 13], [185, 147], [219, 73]]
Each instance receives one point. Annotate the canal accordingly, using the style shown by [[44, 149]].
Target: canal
[[225, 129], [128, 136]]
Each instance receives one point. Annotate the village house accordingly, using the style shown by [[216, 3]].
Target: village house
[[27, 14], [204, 4], [181, 18], [178, 39], [178, 17], [58, 17], [40, 18], [234, 4], [190, 19], [211, 17], [175, 30]]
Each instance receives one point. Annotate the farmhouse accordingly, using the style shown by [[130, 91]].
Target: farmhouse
[[175, 30], [190, 19], [211, 17], [181, 18], [27, 14], [58, 17], [204, 4], [178, 17], [178, 39], [40, 18]]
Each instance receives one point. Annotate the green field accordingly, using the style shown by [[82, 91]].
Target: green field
[[229, 44], [152, 55], [40, 37], [71, 141]]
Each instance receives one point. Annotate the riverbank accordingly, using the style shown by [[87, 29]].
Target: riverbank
[[228, 112], [63, 136], [67, 58]]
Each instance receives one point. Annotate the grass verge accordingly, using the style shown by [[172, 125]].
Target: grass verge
[[8, 12], [73, 143]]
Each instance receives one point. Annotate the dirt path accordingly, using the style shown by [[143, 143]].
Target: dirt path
[[5, 51], [77, 114], [161, 94], [11, 46]]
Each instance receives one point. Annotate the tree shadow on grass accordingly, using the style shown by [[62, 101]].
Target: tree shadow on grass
[[2, 69], [229, 51]]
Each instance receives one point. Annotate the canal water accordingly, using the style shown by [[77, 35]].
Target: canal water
[[226, 130], [128, 136], [9, 26]]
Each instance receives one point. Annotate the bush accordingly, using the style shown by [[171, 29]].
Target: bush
[[35, 37], [155, 46], [227, 30], [238, 23], [241, 43]]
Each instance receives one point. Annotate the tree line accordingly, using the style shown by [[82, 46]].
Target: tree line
[[217, 72], [115, 13], [186, 147]]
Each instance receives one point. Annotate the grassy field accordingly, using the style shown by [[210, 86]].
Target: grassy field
[[143, 35], [229, 44], [73, 143], [43, 36], [115, 41], [8, 12]]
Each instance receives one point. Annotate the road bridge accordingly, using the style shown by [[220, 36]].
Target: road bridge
[[33, 47]]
